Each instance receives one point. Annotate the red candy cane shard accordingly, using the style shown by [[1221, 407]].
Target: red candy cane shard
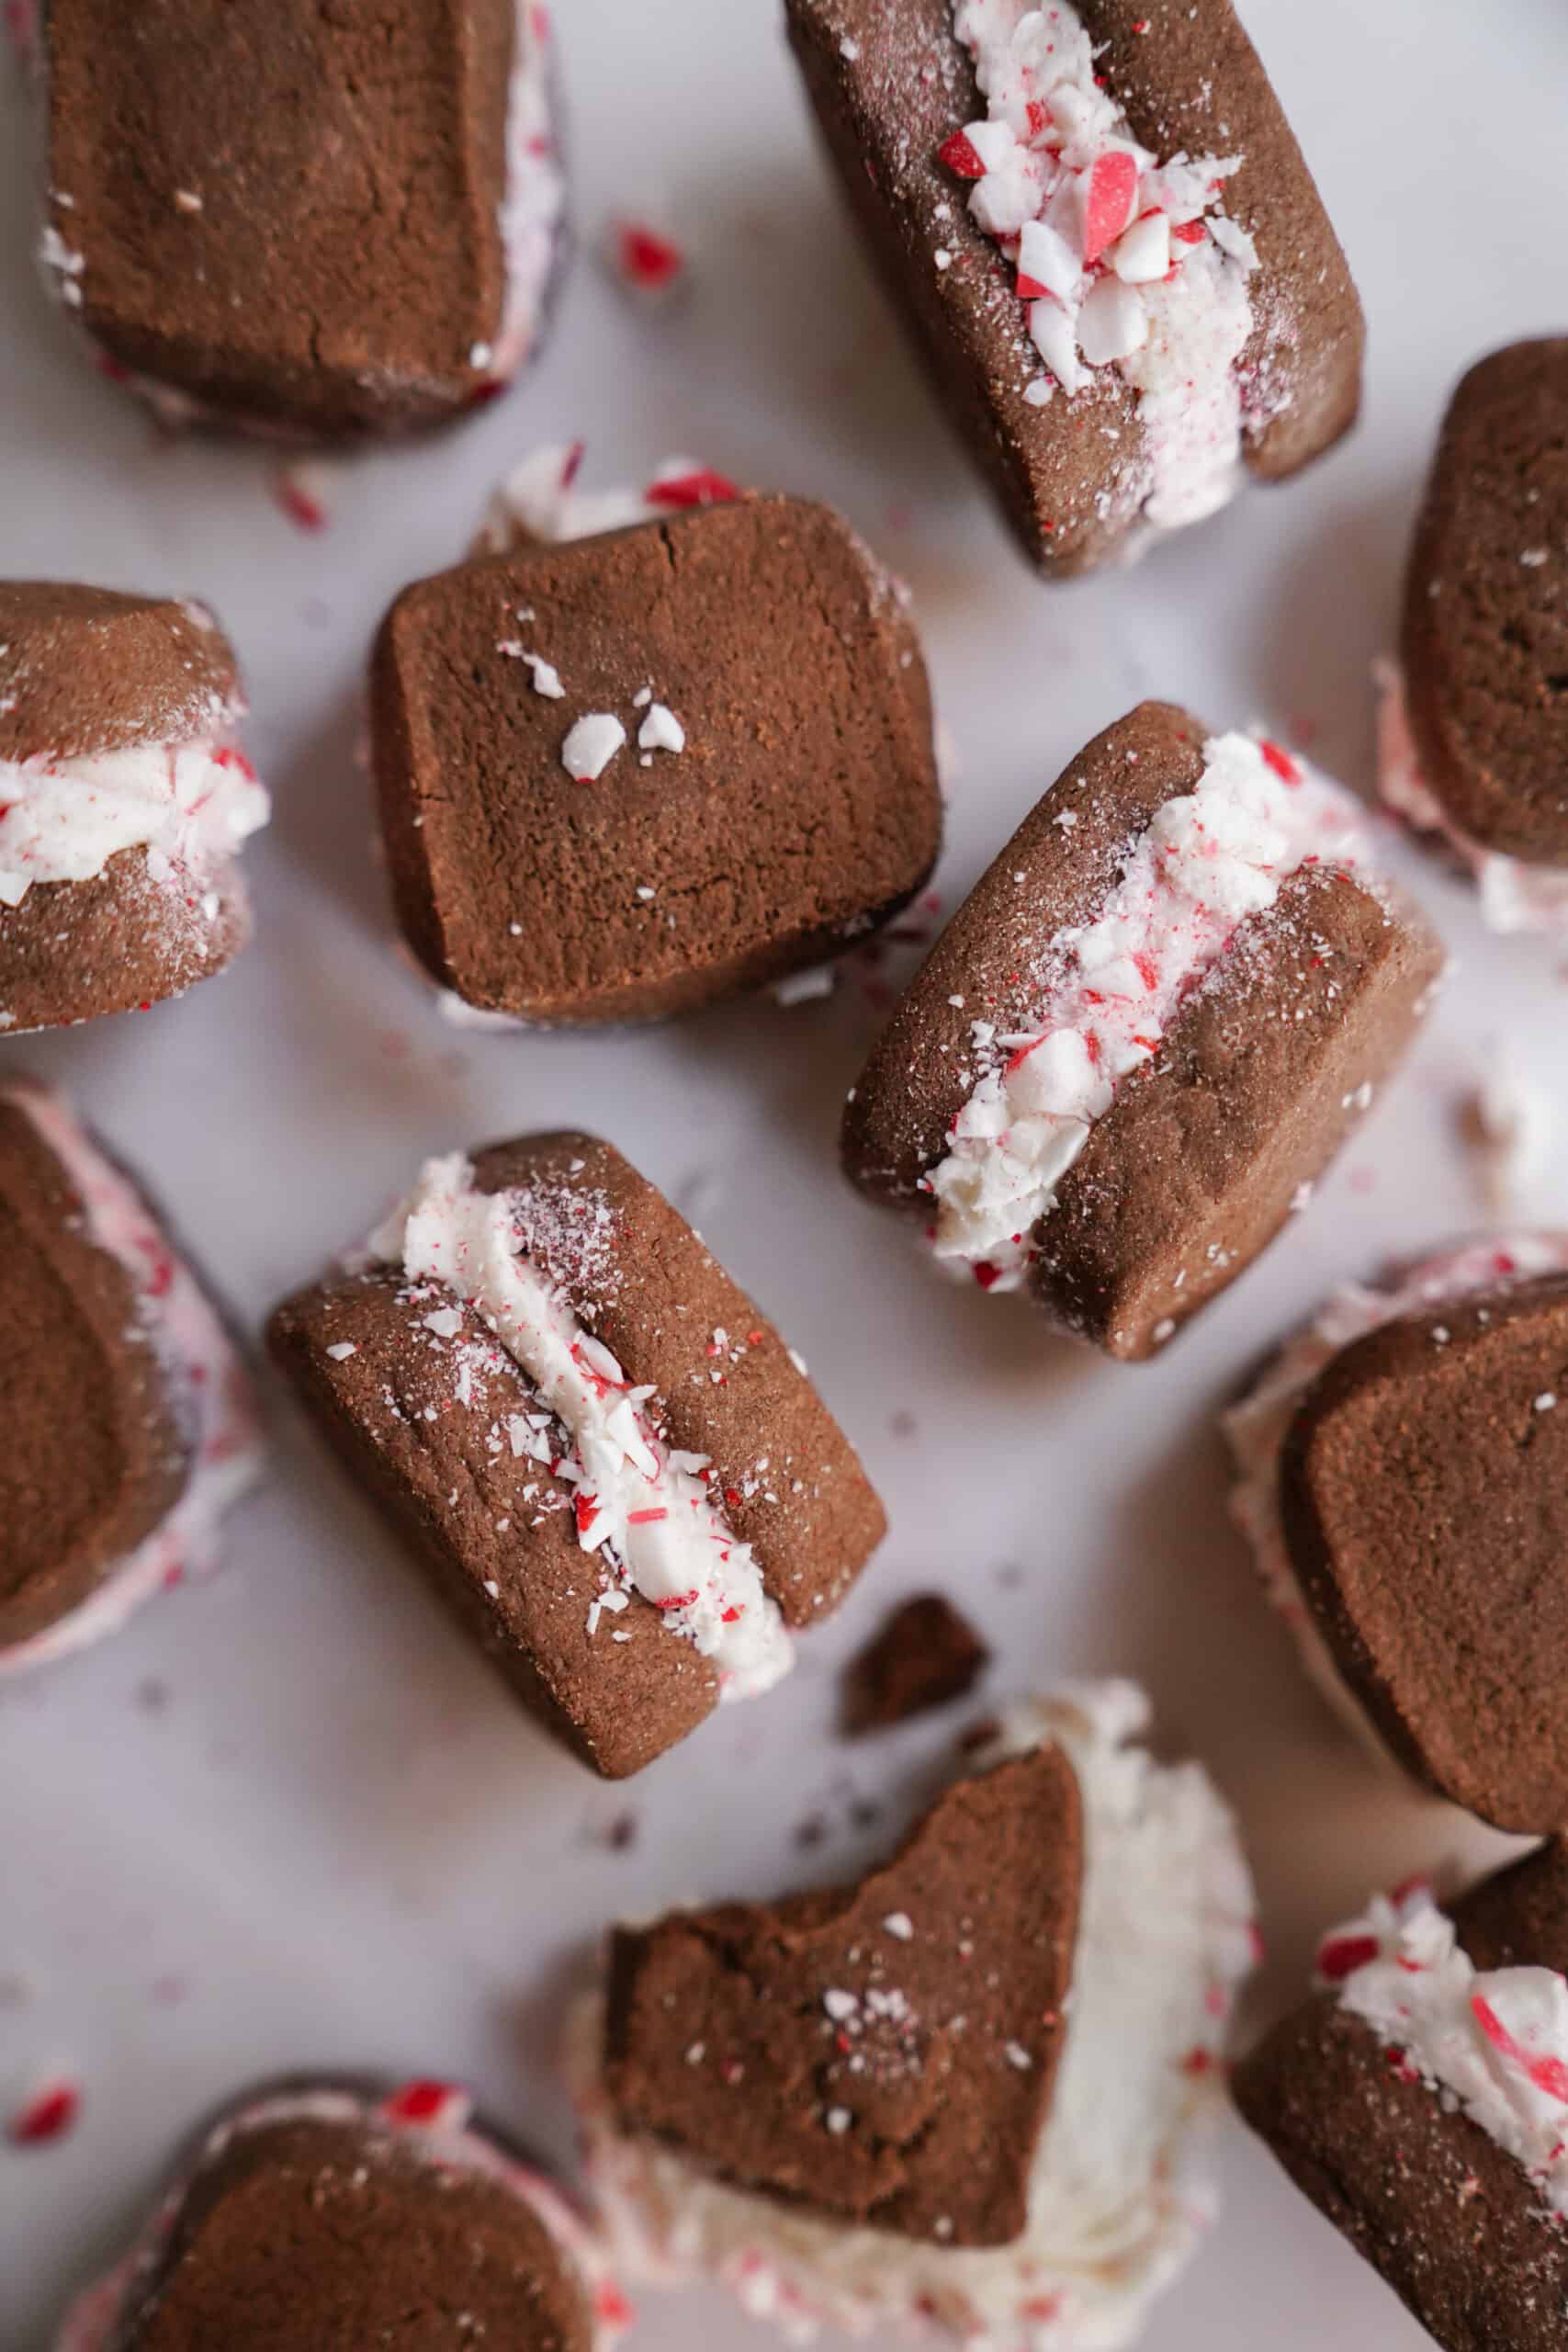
[[1112, 192], [1548, 2075], [961, 156]]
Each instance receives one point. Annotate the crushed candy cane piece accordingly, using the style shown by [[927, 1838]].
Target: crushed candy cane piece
[[590, 745]]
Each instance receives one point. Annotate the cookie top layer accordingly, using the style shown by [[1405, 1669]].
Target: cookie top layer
[[555, 877], [284, 208], [1486, 628], [1422, 1488], [314, 2232], [882, 2052], [85, 671], [95, 1456]]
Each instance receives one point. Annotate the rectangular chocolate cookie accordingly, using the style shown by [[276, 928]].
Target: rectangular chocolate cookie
[[302, 219], [625, 776]]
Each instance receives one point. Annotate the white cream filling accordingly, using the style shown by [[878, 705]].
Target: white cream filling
[[204, 1371], [190, 806], [441, 2137], [1116, 2202], [1515, 895], [535, 199], [646, 1505], [1123, 261], [541, 498], [1256, 1429], [1491, 2042], [1107, 991]]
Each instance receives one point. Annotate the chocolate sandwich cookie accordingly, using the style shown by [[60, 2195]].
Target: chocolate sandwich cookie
[[1474, 725], [319, 2214], [301, 220], [1417, 2099], [1403, 1475], [124, 801], [887, 2100], [1101, 233], [611, 1466], [130, 1427], [1145, 1033], [624, 776]]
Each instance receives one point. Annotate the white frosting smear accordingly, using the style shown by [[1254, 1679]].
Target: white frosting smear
[[643, 1506], [1515, 895], [206, 1379], [1493, 2042], [1123, 260], [1108, 990], [1256, 1429], [190, 806], [428, 2120], [1117, 2201]]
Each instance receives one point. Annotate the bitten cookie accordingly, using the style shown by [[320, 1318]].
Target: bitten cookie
[[124, 800], [611, 1466], [1101, 233], [129, 1425], [1418, 2101], [1145, 1033], [1474, 720], [318, 223], [958, 2090], [624, 775], [318, 2215], [1404, 1481]]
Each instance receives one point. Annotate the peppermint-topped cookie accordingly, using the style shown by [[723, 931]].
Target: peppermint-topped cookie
[[124, 799], [1145, 1033], [1101, 234], [611, 1464], [1418, 2101]]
